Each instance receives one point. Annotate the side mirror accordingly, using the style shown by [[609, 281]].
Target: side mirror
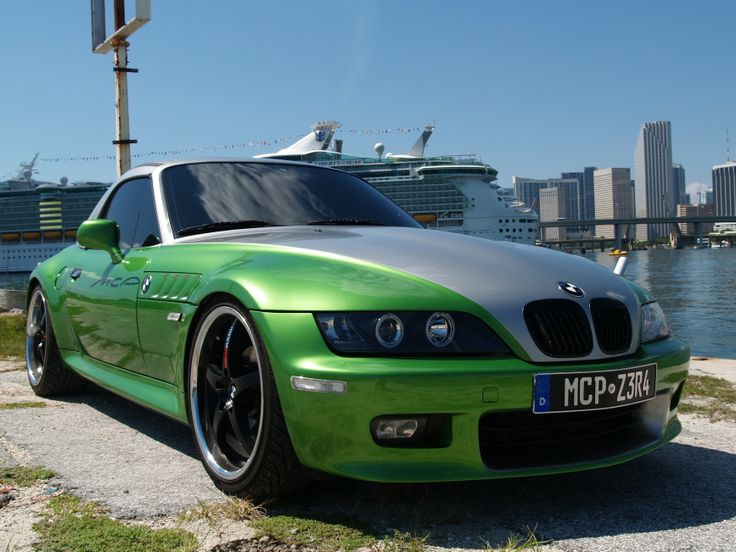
[[103, 235]]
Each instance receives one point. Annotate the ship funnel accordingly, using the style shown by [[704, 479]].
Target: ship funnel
[[417, 150], [338, 145], [319, 139]]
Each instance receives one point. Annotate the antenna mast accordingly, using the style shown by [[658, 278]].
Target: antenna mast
[[728, 148]]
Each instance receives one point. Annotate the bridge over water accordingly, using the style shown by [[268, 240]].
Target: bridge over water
[[620, 224]]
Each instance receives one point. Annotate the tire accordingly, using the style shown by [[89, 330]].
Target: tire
[[47, 374], [234, 408]]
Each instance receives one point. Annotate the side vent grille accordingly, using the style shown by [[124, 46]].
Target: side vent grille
[[612, 325], [559, 327]]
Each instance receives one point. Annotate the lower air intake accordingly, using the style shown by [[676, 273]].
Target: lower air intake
[[523, 440]]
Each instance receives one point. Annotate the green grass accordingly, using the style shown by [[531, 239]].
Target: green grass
[[328, 537], [235, 509], [22, 404], [714, 398], [70, 523], [21, 476], [519, 543], [12, 336]]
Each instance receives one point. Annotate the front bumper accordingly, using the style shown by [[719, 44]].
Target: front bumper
[[331, 432]]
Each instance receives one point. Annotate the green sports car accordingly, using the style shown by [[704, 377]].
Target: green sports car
[[300, 321]]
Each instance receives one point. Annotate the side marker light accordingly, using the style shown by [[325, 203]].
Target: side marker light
[[300, 383]]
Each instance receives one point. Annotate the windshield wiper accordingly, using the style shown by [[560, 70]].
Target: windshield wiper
[[224, 225], [346, 222]]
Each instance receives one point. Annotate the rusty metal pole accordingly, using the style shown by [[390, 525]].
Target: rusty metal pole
[[122, 126], [118, 41]]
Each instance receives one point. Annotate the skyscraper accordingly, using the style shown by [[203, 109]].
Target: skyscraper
[[724, 189], [704, 197], [613, 198], [579, 201], [678, 184], [588, 199], [552, 207], [528, 189], [653, 193]]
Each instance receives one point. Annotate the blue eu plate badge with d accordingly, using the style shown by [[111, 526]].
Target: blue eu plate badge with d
[[542, 384]]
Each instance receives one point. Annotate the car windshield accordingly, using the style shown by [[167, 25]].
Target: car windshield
[[205, 197]]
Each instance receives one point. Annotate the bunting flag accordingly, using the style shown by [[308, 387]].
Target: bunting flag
[[225, 147]]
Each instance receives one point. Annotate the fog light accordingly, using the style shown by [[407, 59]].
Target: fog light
[[318, 385], [412, 430], [395, 428]]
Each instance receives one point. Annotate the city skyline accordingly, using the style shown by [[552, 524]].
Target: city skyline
[[221, 76]]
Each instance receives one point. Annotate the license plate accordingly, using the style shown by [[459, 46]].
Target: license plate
[[574, 391]]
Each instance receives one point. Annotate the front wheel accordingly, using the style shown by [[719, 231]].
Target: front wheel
[[47, 373], [234, 407]]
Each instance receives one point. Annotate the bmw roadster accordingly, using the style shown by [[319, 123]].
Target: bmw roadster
[[299, 320]]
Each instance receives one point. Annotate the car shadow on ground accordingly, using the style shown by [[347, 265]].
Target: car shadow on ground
[[677, 486], [158, 427], [674, 487]]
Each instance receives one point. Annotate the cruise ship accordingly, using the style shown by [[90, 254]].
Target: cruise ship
[[39, 219], [454, 193]]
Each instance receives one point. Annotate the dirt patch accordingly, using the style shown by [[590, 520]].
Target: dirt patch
[[21, 511], [260, 544]]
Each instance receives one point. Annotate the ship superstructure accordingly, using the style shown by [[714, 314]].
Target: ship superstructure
[[38, 219], [455, 193]]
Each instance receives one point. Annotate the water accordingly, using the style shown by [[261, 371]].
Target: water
[[14, 280], [696, 289]]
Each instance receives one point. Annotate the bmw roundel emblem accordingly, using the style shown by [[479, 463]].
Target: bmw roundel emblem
[[146, 284], [570, 289]]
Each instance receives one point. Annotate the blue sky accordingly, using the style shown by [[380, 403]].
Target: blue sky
[[535, 88]]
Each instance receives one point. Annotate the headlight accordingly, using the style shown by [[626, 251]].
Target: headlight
[[408, 334], [653, 323]]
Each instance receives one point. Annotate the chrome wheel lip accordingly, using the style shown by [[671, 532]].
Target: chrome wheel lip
[[221, 471], [36, 313]]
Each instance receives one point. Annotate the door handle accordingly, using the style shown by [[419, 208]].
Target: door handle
[[75, 273]]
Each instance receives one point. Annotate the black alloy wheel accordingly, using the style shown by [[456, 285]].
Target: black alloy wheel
[[47, 374], [234, 407]]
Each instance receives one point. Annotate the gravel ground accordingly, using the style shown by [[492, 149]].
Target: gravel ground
[[143, 466]]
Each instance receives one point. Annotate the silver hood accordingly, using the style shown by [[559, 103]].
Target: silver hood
[[501, 277]]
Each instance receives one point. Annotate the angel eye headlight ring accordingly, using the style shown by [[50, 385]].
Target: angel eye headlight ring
[[440, 329], [389, 330]]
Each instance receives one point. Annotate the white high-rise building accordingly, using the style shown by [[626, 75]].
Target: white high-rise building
[[653, 192], [613, 198], [724, 189]]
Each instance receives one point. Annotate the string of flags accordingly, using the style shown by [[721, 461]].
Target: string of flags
[[225, 147]]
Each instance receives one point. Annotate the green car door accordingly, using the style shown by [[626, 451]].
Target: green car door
[[102, 289]]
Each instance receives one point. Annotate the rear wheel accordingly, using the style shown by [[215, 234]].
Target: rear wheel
[[46, 371], [234, 407]]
